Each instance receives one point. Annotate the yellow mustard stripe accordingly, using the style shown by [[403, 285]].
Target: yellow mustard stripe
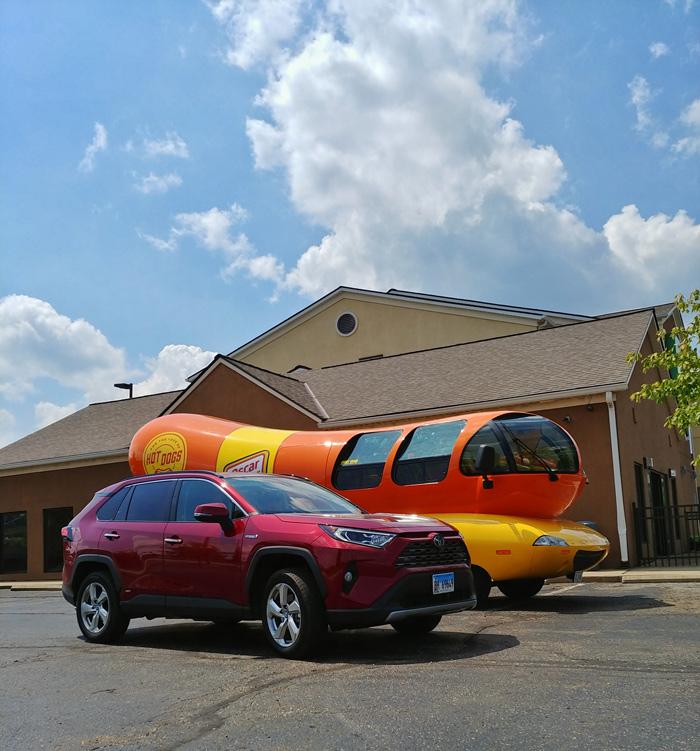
[[250, 449]]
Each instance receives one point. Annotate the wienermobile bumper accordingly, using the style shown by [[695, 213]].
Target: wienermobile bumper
[[513, 547]]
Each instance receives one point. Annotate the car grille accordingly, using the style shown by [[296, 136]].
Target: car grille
[[425, 553], [585, 559]]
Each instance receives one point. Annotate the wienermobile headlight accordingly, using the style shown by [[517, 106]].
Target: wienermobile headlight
[[551, 541]]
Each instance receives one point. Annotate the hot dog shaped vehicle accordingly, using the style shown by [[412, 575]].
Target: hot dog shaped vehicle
[[501, 478]]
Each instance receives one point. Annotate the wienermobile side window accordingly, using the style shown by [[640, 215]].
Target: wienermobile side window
[[523, 443], [425, 455], [361, 462]]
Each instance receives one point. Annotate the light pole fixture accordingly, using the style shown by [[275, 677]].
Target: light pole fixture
[[127, 387]]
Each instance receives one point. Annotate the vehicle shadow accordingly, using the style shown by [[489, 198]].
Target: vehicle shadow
[[363, 646], [577, 604]]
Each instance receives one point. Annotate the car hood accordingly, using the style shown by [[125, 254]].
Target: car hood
[[394, 523]]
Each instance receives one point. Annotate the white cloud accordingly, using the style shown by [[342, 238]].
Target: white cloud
[[640, 96], [8, 427], [685, 5], [169, 369], [656, 247], [98, 143], [256, 29], [659, 49], [37, 342], [172, 145], [158, 183], [213, 230], [47, 412], [689, 145]]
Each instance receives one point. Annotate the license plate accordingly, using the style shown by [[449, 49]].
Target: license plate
[[578, 577], [443, 583]]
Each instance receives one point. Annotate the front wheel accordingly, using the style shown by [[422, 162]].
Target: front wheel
[[419, 624], [99, 616], [294, 619], [482, 586], [521, 589]]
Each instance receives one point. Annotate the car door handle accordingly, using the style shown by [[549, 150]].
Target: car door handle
[[111, 535], [174, 540]]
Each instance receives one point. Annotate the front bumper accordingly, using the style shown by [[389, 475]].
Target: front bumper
[[410, 597]]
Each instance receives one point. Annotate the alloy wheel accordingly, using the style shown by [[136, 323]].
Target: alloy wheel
[[283, 615], [94, 608]]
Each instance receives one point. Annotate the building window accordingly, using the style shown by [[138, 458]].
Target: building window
[[54, 519], [13, 542], [425, 455], [361, 462], [346, 324], [641, 504]]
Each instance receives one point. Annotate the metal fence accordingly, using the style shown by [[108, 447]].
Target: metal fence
[[668, 535]]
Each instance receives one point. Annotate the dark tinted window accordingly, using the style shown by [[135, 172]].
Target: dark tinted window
[[538, 444], [425, 455], [150, 501], [286, 495], [361, 462], [54, 519], [485, 436], [108, 510], [195, 492], [13, 542]]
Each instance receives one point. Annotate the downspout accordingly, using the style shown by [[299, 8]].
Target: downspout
[[617, 477]]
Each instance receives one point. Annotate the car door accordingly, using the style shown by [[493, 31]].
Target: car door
[[201, 559], [134, 541]]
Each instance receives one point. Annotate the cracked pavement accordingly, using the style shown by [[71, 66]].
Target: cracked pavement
[[580, 666]]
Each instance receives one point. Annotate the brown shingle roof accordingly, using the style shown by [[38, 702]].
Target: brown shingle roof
[[101, 428], [528, 366]]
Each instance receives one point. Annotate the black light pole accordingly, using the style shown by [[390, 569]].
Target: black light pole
[[127, 386]]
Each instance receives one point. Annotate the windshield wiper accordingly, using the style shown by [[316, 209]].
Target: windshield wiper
[[553, 476]]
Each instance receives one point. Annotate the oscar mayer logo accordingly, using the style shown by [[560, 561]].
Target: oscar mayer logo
[[167, 452], [252, 463]]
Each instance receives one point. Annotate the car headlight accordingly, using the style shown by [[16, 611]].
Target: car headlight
[[358, 536], [551, 541]]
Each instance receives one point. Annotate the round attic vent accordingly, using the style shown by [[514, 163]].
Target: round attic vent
[[346, 324]]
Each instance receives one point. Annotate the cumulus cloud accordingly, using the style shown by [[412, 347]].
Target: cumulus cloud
[[659, 49], [377, 115], [214, 230], [689, 145], [37, 342], [171, 366], [171, 145], [98, 143], [256, 29], [152, 183], [47, 412]]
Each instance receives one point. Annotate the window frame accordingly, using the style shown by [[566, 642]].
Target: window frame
[[126, 503], [26, 542], [406, 442], [235, 510], [351, 444]]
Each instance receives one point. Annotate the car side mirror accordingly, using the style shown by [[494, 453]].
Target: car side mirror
[[486, 463], [213, 512]]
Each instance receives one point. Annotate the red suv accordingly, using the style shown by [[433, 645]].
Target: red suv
[[228, 547]]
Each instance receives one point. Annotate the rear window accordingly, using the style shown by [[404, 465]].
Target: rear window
[[361, 462], [425, 454], [108, 510], [150, 501]]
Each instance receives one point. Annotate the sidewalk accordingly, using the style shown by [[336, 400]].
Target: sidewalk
[[47, 586], [667, 575]]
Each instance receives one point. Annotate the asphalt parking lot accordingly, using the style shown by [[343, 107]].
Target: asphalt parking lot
[[582, 666]]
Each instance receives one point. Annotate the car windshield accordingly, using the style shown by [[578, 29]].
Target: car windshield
[[287, 495]]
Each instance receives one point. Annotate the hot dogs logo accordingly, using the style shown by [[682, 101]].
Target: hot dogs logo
[[253, 463], [167, 452]]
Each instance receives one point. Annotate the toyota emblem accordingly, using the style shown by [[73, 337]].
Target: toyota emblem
[[439, 541]]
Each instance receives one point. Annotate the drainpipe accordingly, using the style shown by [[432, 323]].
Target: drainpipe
[[617, 476]]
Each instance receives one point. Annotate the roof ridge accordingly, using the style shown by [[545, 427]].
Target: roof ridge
[[488, 339], [264, 370]]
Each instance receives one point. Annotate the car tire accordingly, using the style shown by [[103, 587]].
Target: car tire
[[419, 624], [521, 589], [97, 608], [293, 615], [482, 587]]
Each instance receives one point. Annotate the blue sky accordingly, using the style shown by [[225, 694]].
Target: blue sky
[[250, 155]]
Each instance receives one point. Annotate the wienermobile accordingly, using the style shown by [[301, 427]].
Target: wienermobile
[[503, 479]]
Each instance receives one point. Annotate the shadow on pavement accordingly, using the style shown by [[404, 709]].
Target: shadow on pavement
[[363, 646], [577, 604]]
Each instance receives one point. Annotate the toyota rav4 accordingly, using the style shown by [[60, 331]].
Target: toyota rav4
[[229, 547]]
